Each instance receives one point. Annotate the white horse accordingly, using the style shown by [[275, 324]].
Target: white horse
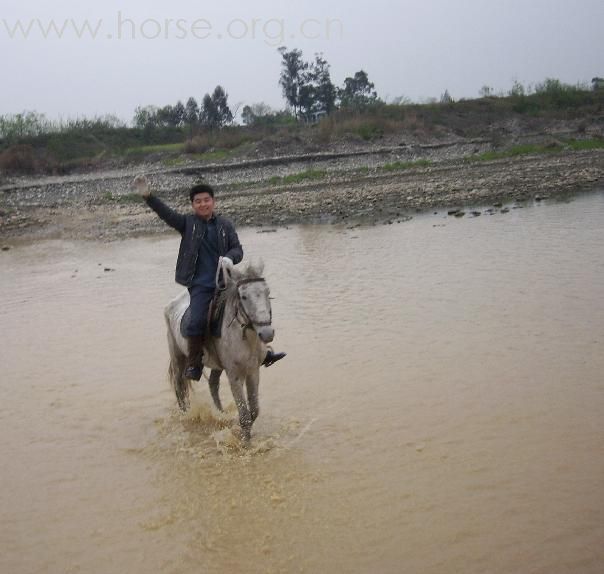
[[241, 348]]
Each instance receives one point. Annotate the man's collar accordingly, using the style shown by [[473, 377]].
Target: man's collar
[[212, 218]]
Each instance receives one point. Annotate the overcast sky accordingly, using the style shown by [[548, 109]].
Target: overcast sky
[[151, 52]]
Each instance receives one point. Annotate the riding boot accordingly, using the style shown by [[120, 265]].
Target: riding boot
[[272, 357], [195, 356]]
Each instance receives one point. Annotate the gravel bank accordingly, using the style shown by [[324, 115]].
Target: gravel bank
[[340, 188]]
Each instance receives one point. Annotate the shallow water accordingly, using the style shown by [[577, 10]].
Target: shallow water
[[440, 408]]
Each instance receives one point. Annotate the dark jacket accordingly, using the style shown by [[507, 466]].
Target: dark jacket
[[191, 228]]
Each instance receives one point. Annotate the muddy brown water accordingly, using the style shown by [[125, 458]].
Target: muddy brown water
[[440, 409]]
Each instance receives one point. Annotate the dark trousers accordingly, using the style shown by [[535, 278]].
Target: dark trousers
[[200, 305]]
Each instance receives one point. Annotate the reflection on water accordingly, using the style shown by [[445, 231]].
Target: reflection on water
[[439, 409]]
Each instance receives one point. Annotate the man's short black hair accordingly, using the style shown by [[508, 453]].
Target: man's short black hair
[[201, 188]]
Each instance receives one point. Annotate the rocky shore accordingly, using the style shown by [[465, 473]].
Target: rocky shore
[[372, 185]]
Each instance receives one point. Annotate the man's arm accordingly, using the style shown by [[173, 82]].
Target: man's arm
[[234, 249], [171, 217]]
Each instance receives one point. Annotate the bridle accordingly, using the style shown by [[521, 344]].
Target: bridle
[[241, 315]]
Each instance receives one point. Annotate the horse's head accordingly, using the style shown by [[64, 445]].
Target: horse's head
[[255, 306]]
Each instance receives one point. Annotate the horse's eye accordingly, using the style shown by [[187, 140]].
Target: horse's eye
[[244, 297]]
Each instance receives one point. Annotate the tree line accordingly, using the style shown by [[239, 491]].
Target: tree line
[[213, 113], [309, 94], [309, 91], [306, 86]]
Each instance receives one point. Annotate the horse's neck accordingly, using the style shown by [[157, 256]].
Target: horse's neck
[[231, 302], [231, 311], [237, 345], [233, 319]]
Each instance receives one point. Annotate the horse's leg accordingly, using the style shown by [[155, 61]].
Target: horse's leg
[[245, 420], [251, 383], [214, 383]]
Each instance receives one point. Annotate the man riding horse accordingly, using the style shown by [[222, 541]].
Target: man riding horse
[[206, 239]]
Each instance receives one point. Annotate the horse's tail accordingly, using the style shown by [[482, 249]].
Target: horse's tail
[[176, 369], [180, 385]]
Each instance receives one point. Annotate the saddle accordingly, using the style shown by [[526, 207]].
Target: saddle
[[215, 317]]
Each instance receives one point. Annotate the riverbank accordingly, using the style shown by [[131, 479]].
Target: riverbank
[[370, 185]]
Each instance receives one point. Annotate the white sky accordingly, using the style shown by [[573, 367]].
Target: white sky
[[415, 48]]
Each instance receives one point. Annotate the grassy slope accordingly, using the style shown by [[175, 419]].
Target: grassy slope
[[95, 145]]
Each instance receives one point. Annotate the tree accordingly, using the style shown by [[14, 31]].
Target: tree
[[207, 114], [446, 98], [179, 113], [145, 117], [247, 116], [191, 115], [168, 116], [306, 100], [517, 90], [215, 111], [252, 115], [358, 92], [292, 77], [324, 90], [224, 116], [307, 87]]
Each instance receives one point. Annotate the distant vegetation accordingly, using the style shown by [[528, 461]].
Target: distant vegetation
[[317, 112], [300, 177]]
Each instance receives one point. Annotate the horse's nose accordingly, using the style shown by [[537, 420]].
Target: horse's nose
[[266, 334]]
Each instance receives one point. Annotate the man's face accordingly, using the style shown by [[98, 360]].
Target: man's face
[[203, 205]]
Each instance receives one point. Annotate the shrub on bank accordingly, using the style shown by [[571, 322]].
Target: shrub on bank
[[25, 159]]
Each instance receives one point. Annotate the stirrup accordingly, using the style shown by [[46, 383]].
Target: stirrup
[[193, 373]]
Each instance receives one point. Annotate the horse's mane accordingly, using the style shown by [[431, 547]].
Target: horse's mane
[[252, 270]]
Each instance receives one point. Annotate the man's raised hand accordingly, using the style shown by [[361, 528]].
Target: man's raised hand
[[141, 184]]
